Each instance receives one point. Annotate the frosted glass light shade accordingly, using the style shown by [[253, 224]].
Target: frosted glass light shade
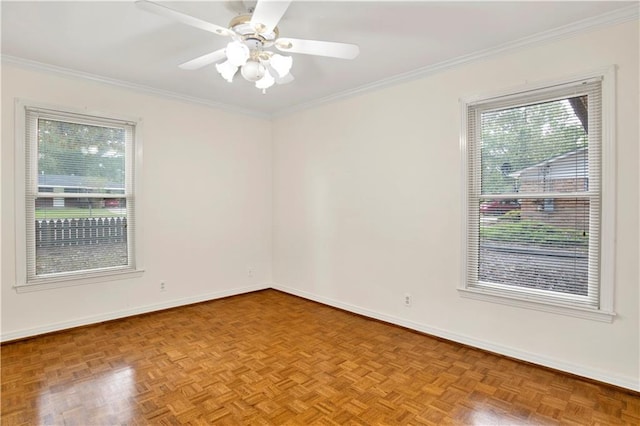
[[227, 70], [237, 53], [282, 64], [266, 81], [253, 70]]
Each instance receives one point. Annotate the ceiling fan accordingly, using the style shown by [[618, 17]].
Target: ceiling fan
[[252, 35]]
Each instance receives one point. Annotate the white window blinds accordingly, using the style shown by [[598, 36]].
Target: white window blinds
[[79, 195], [534, 195]]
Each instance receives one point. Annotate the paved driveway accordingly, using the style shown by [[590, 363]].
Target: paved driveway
[[561, 271]]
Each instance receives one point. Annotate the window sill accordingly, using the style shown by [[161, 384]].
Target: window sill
[[578, 312], [69, 280]]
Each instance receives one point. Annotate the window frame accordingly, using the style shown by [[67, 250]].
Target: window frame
[[535, 92], [25, 239]]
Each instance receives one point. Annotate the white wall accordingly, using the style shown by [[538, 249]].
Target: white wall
[[206, 204], [367, 208]]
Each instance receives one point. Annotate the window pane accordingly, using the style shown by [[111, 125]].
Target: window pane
[[541, 244], [80, 158], [80, 216], [73, 208], [533, 191], [83, 233], [535, 148], [77, 234]]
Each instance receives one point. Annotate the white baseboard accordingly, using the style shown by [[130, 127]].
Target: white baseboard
[[624, 382], [601, 376], [30, 332]]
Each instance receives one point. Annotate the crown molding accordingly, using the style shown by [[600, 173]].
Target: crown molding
[[54, 69], [617, 16]]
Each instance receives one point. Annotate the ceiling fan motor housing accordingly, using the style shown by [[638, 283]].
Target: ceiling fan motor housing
[[253, 43], [242, 26]]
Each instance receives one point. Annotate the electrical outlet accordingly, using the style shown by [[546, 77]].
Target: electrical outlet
[[163, 286], [407, 300], [250, 271]]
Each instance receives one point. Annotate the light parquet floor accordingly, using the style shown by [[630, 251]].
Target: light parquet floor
[[271, 358]]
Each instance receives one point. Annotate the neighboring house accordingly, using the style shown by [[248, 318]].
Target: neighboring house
[[568, 172], [75, 185]]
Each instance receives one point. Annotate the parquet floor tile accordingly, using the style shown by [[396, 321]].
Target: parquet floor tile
[[268, 358]]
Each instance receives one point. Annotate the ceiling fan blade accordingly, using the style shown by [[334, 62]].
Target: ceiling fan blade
[[267, 14], [204, 60], [161, 10], [320, 48]]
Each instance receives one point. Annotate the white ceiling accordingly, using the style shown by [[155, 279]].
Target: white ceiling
[[119, 41]]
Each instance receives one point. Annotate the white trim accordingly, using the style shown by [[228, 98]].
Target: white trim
[[19, 202], [511, 195], [606, 244], [540, 87], [69, 280], [464, 200], [30, 332], [602, 376], [590, 373], [62, 109], [138, 195], [617, 16], [521, 302], [75, 194], [25, 280], [608, 190], [67, 72]]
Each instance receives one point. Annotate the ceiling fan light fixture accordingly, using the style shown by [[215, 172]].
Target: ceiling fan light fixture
[[265, 82], [285, 80], [253, 70], [282, 64], [253, 34], [237, 53], [227, 70]]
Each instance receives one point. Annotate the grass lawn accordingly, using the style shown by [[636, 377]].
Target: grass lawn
[[74, 213]]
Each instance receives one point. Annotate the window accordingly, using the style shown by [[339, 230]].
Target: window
[[77, 210], [538, 197]]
